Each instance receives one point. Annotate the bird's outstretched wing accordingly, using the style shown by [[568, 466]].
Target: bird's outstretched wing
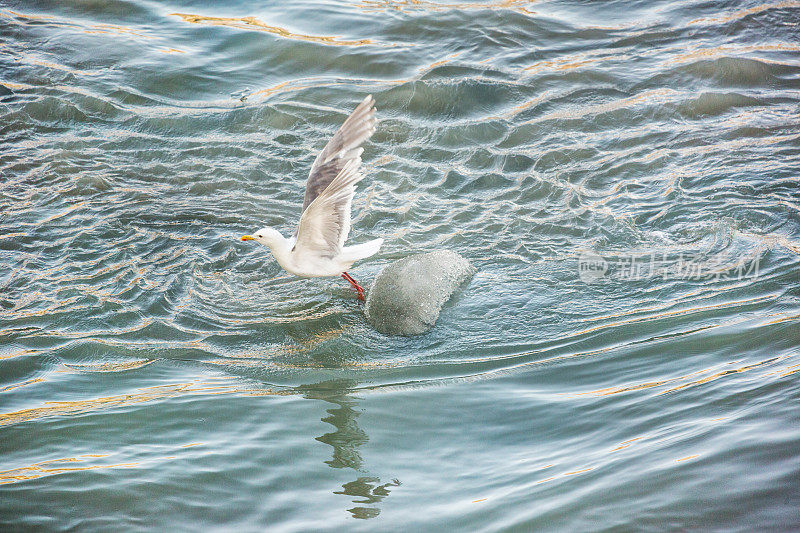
[[344, 146], [324, 225]]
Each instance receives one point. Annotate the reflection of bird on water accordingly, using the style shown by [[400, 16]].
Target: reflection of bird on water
[[368, 489], [345, 441], [317, 248]]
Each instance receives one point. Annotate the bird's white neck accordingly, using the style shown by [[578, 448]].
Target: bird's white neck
[[281, 249]]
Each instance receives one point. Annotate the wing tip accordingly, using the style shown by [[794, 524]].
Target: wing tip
[[368, 102]]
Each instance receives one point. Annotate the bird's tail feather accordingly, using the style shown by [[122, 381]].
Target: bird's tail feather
[[351, 254]]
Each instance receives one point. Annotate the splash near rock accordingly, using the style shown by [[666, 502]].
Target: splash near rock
[[407, 296]]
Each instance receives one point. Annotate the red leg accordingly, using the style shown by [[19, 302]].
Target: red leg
[[353, 282]]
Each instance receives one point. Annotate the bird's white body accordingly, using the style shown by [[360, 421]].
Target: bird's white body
[[317, 249], [307, 265]]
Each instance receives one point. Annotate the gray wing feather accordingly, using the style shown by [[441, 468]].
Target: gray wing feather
[[344, 146], [324, 225]]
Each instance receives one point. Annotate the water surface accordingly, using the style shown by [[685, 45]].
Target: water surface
[[624, 175]]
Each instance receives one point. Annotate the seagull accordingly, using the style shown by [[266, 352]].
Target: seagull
[[317, 247]]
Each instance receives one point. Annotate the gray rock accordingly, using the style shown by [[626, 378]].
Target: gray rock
[[407, 295]]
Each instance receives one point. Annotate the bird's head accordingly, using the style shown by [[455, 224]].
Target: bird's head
[[266, 236]]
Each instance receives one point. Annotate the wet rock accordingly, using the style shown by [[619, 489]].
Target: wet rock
[[407, 296]]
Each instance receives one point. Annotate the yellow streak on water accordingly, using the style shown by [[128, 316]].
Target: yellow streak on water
[[23, 18], [27, 351], [546, 95], [677, 312], [563, 63], [113, 29], [426, 5], [21, 384], [300, 317], [566, 474], [12, 477], [626, 444], [441, 62], [17, 86], [56, 466], [578, 471], [277, 88], [29, 17], [147, 394], [714, 377], [729, 50], [668, 303], [252, 23], [110, 366], [783, 318], [63, 212], [790, 370], [44, 468], [31, 60], [743, 13], [607, 391], [651, 96]]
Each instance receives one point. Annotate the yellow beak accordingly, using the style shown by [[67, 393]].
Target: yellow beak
[[248, 238]]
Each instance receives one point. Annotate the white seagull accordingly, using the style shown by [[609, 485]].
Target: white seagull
[[317, 247]]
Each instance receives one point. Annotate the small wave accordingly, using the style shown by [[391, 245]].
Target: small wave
[[731, 72], [711, 104], [252, 23]]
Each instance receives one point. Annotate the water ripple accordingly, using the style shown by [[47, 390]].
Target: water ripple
[[139, 143]]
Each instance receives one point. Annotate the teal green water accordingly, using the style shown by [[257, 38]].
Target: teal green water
[[623, 175]]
